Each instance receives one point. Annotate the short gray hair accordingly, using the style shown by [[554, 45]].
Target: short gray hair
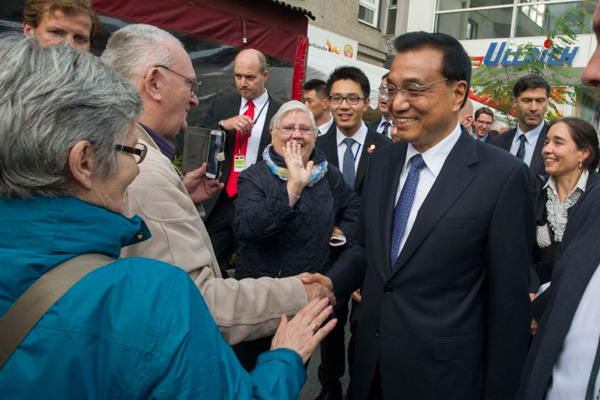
[[134, 49], [50, 99], [293, 105]]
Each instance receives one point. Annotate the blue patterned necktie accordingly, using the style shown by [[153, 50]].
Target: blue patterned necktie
[[521, 150], [348, 164], [405, 202]]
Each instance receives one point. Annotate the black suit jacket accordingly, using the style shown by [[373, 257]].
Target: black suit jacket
[[576, 261], [505, 140], [451, 319], [227, 107], [328, 144]]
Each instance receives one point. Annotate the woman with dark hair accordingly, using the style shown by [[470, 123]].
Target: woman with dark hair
[[570, 157]]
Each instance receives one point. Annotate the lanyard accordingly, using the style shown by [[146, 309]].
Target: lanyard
[[242, 138]]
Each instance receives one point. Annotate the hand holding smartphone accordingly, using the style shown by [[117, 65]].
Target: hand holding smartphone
[[216, 155]]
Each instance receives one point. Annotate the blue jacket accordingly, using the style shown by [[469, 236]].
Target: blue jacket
[[134, 329]]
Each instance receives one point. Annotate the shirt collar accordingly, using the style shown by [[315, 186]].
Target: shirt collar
[[532, 135], [483, 139], [259, 102], [581, 183], [325, 127], [383, 121], [435, 157], [164, 145], [360, 135]]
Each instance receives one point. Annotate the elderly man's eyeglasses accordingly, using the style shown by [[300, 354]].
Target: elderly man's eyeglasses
[[352, 100], [194, 85], [289, 129], [139, 151], [409, 90]]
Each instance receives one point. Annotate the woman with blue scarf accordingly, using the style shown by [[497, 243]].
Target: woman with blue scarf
[[289, 204]]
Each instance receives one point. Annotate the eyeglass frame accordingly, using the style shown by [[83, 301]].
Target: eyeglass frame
[[347, 98], [133, 150], [194, 85], [312, 130], [484, 122], [384, 91]]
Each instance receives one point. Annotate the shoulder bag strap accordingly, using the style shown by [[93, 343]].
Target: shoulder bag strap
[[27, 310]]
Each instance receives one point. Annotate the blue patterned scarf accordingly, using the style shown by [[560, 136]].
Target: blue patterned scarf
[[272, 159]]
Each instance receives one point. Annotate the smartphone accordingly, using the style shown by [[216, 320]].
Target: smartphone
[[216, 155]]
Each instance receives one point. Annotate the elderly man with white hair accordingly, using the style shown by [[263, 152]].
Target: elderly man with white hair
[[156, 63]]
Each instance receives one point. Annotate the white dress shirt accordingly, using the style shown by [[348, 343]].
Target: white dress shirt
[[325, 127], [571, 373], [434, 158], [359, 141], [532, 138], [260, 103], [380, 127]]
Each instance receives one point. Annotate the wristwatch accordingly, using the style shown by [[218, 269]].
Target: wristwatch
[[221, 126]]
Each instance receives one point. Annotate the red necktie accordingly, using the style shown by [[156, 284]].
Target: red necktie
[[239, 147]]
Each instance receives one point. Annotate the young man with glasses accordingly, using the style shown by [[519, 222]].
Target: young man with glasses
[[348, 147], [484, 118]]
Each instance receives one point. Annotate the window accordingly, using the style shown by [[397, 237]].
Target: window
[[491, 19], [390, 28], [368, 11]]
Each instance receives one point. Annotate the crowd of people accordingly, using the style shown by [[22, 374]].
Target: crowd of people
[[467, 250]]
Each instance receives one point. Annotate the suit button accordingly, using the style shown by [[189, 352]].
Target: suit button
[[388, 290]]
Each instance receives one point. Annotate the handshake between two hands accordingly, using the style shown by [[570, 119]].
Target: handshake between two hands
[[317, 286]]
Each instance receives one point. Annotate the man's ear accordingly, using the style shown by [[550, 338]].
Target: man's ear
[[81, 163], [367, 104], [460, 92], [28, 29], [152, 85], [266, 75]]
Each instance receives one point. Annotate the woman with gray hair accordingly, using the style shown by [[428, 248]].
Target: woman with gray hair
[[132, 328], [289, 205]]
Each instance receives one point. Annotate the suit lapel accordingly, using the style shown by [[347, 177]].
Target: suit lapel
[[537, 160], [265, 137], [370, 139], [390, 180], [453, 179], [330, 147]]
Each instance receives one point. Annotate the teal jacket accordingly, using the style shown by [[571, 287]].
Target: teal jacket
[[134, 329]]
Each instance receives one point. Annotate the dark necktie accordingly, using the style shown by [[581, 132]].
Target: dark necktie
[[239, 147], [405, 202], [386, 127], [521, 150], [348, 163], [590, 395]]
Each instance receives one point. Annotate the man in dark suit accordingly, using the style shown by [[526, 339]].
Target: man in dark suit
[[245, 119], [531, 94], [348, 145], [565, 355], [384, 124], [447, 228], [484, 118], [314, 96]]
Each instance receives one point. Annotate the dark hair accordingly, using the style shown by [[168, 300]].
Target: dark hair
[[484, 110], [530, 82], [585, 137], [318, 85], [35, 10], [456, 64], [352, 74]]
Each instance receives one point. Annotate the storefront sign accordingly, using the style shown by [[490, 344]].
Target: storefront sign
[[504, 56], [323, 40]]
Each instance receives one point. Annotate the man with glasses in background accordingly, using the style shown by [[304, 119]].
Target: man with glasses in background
[[348, 147], [484, 118], [446, 227], [384, 124], [245, 118], [156, 63]]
